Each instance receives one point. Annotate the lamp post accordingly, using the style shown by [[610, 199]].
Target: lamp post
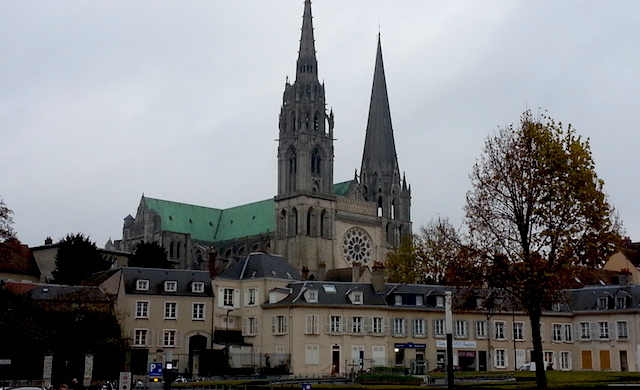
[[449, 328], [226, 339]]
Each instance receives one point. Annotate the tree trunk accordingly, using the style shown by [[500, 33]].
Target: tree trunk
[[538, 358]]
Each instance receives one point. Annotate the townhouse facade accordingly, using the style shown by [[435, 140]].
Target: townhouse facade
[[260, 316]]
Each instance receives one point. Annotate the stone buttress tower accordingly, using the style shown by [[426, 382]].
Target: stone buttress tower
[[304, 203], [379, 175]]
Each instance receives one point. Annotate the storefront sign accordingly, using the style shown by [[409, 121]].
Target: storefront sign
[[456, 344], [410, 345]]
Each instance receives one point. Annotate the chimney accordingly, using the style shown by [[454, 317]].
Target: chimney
[[305, 273], [48, 241], [377, 277], [322, 271], [355, 272]]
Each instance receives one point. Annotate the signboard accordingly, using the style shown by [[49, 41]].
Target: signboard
[[410, 345], [125, 381], [456, 344], [155, 369], [5, 361]]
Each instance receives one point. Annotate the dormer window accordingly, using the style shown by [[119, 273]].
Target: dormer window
[[556, 306], [170, 286], [602, 303], [439, 301], [419, 300], [197, 287], [398, 300], [621, 303], [312, 296], [357, 298], [142, 285]]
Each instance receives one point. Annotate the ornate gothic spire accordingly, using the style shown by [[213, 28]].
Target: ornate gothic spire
[[379, 155], [307, 63]]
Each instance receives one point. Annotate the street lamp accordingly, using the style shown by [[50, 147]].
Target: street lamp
[[226, 339]]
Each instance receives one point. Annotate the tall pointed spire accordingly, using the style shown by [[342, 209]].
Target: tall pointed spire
[[380, 174], [307, 63], [379, 148]]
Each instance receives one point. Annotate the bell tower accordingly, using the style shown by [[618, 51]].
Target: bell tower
[[305, 161]]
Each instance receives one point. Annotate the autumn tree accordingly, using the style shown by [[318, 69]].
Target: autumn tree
[[6, 230], [77, 258], [150, 255], [440, 246], [536, 209], [404, 263]]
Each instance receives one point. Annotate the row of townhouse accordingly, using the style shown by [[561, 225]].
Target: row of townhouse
[[259, 315]]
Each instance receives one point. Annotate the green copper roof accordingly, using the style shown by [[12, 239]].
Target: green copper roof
[[198, 221], [211, 225], [342, 188], [247, 220]]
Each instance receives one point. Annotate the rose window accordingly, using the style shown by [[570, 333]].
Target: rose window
[[357, 246]]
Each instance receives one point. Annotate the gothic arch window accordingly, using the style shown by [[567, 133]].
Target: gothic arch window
[[254, 248], [380, 213], [292, 225], [282, 223], [393, 209], [292, 169], [316, 121], [316, 162], [241, 251], [293, 121], [171, 245], [312, 222], [325, 224], [178, 248]]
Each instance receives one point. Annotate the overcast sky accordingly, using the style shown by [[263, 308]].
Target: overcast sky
[[102, 101]]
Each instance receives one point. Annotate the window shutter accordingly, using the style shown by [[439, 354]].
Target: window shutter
[[236, 298], [576, 332], [257, 292], [244, 326], [366, 325], [285, 321], [220, 297], [246, 297], [160, 341], [178, 339], [348, 326], [595, 331], [327, 329], [385, 330], [343, 325], [273, 324], [150, 338]]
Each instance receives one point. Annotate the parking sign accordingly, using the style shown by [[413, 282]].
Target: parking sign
[[155, 369]]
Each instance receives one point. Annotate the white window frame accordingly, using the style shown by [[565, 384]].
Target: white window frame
[[142, 285], [198, 311], [419, 300], [565, 361], [557, 333], [481, 329], [439, 327], [378, 355], [585, 330], [460, 329], [171, 310], [312, 324], [357, 298], [500, 358], [518, 331], [357, 325], [169, 337], [313, 296], [377, 325], [250, 326], [197, 287], [568, 332], [499, 332], [604, 333], [419, 327], [142, 309], [622, 330], [279, 325], [621, 302], [140, 337], [170, 286], [227, 297], [399, 327], [335, 324], [398, 300]]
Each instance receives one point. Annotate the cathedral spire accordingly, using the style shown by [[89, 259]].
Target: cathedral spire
[[379, 155], [307, 63]]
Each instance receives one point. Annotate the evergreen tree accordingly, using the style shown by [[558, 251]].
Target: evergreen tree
[[150, 255], [77, 258]]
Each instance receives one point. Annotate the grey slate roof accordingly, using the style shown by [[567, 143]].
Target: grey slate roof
[[261, 265], [157, 277]]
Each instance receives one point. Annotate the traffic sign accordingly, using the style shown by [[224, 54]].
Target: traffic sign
[[155, 369]]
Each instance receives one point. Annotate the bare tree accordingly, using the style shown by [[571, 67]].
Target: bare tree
[[536, 209], [6, 231]]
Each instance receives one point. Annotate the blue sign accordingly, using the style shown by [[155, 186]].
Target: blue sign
[[410, 345], [155, 369]]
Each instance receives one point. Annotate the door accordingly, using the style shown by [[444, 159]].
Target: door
[[587, 361], [624, 364], [482, 360], [605, 359], [335, 359]]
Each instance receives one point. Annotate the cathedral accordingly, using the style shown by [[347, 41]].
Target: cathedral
[[316, 224]]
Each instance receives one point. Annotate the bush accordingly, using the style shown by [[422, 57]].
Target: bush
[[389, 380]]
